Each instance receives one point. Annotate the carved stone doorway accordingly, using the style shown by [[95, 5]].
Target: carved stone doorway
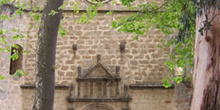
[[99, 86], [98, 107]]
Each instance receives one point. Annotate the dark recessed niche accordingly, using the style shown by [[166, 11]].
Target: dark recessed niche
[[75, 47], [122, 47], [16, 64]]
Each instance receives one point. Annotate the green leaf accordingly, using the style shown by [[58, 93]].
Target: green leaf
[[136, 38], [178, 79], [17, 37], [62, 31], [15, 46], [109, 13], [4, 17], [52, 13], [115, 24], [114, 2], [61, 7], [166, 83], [2, 31], [2, 77], [18, 12], [25, 52], [2, 49], [36, 16], [127, 2], [19, 73], [2, 40], [83, 19], [76, 7], [35, 9]]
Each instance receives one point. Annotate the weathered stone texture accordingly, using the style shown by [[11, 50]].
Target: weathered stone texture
[[60, 99], [152, 99], [141, 62], [182, 97], [10, 94]]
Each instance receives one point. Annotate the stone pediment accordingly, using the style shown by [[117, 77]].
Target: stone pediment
[[98, 71]]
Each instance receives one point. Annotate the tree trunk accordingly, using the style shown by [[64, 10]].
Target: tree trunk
[[45, 60], [206, 81]]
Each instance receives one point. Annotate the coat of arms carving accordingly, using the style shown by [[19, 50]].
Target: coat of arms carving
[[98, 1]]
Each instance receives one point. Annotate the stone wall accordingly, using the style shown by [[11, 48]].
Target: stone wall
[[152, 99], [182, 96], [141, 63], [10, 94], [60, 99]]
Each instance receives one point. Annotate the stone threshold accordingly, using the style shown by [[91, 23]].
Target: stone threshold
[[31, 86], [149, 86]]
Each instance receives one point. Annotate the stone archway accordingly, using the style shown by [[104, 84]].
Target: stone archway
[[98, 107]]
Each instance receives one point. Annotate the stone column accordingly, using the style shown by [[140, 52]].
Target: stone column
[[72, 89], [117, 71], [126, 91], [105, 89], [91, 89], [78, 90], [86, 89], [117, 89], [111, 95], [71, 96], [79, 72]]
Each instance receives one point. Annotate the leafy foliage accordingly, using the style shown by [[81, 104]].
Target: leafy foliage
[[2, 77], [169, 17], [166, 83], [90, 14], [127, 2], [62, 31], [52, 13], [19, 73]]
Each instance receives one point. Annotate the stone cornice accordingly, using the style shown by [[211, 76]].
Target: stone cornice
[[31, 86], [98, 99], [147, 86]]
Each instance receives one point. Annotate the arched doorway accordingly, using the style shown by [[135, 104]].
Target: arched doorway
[[98, 107]]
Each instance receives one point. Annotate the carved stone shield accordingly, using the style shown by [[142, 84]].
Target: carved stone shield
[[98, 1]]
